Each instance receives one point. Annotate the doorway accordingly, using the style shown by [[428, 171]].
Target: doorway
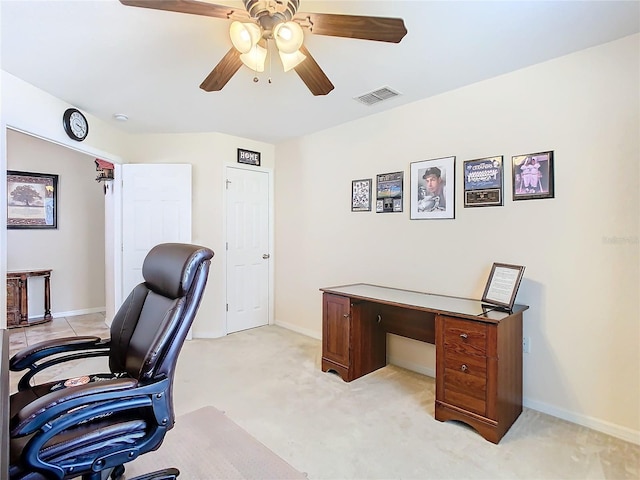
[[248, 248]]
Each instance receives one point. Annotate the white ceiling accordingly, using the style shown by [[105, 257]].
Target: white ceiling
[[106, 58]]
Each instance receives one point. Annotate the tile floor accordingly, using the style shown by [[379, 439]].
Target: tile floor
[[78, 325]]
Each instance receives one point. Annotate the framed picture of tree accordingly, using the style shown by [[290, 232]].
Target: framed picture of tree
[[32, 200]]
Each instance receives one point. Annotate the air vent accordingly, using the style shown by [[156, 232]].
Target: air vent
[[377, 96]]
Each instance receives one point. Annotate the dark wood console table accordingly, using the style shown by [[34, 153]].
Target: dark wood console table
[[478, 348], [18, 297]]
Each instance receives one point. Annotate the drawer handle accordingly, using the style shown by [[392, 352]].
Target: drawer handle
[[464, 336], [379, 318], [464, 368], [346, 315]]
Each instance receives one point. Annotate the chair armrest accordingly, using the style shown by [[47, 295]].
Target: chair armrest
[[28, 356], [46, 408], [59, 350]]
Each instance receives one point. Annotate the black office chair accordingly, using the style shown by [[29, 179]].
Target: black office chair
[[90, 426]]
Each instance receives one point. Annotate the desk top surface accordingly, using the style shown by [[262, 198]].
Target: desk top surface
[[28, 273], [425, 301]]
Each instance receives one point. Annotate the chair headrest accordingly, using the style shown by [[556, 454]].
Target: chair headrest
[[169, 268]]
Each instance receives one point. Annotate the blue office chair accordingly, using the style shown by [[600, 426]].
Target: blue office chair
[[90, 426]]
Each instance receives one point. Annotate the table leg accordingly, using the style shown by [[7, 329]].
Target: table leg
[[47, 297], [24, 304]]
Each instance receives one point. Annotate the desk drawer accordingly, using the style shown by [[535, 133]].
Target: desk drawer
[[465, 336], [464, 364], [465, 391]]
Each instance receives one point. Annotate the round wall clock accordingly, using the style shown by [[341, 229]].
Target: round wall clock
[[75, 124]]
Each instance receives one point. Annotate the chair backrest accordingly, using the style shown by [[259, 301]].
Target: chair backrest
[[150, 327]]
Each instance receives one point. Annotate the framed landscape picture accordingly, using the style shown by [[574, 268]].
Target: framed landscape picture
[[32, 200]]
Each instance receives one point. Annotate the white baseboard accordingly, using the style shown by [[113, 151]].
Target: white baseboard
[[414, 367], [71, 313], [623, 433], [208, 334], [303, 331]]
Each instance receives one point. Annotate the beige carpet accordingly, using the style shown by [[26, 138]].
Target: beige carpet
[[207, 445]]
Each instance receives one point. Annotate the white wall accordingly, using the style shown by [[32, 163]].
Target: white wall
[[29, 109], [74, 250], [209, 153], [580, 249]]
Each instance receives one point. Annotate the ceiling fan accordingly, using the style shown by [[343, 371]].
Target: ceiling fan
[[280, 21]]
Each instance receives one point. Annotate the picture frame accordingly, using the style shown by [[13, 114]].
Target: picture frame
[[32, 200], [483, 182], [249, 157], [433, 189], [389, 190], [502, 285], [532, 176], [361, 195]]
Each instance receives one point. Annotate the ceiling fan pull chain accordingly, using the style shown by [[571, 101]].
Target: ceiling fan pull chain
[[270, 57], [256, 79]]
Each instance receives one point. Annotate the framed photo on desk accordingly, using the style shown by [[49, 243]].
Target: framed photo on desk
[[502, 286]]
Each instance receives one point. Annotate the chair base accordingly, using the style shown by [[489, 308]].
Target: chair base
[[118, 472]]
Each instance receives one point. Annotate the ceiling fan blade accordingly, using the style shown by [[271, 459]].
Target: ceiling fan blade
[[381, 29], [186, 6], [223, 71], [312, 75]]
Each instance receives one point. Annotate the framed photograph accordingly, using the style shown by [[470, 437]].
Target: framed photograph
[[483, 182], [532, 176], [389, 192], [361, 195], [32, 200], [502, 286], [433, 189]]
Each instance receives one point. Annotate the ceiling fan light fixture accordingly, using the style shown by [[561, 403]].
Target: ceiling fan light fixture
[[244, 36], [288, 37], [291, 60], [255, 58]]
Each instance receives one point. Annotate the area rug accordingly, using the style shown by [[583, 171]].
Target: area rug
[[206, 445]]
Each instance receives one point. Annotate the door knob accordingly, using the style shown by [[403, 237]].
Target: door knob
[[266, 255]]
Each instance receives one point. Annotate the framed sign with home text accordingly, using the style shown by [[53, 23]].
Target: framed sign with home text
[[248, 157]]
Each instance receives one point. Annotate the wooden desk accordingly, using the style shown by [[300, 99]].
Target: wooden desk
[[478, 348], [18, 297]]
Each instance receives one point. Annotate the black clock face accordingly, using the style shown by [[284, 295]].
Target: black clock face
[[75, 124]]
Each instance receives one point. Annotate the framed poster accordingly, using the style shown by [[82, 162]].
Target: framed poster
[[389, 192], [532, 176], [32, 200], [483, 182], [361, 195], [502, 285], [433, 189]]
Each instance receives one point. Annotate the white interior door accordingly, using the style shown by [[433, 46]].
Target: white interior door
[[247, 249], [156, 208]]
